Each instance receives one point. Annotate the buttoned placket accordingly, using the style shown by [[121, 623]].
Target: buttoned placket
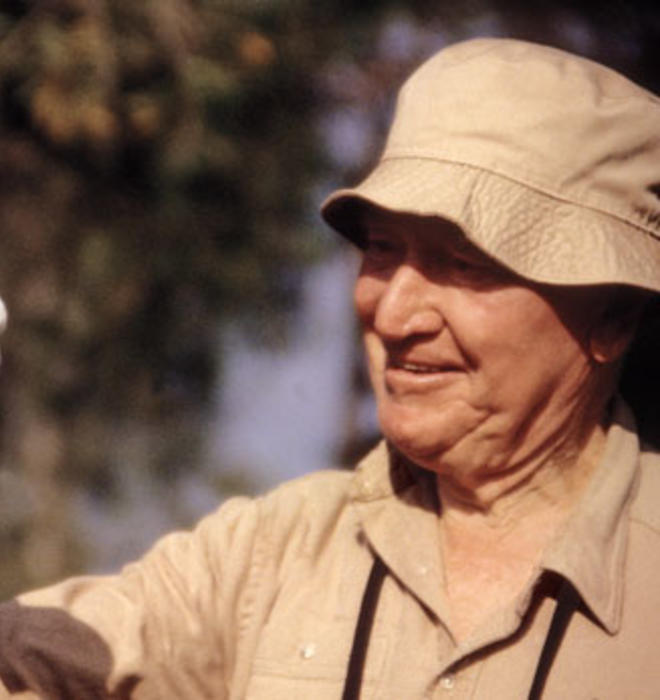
[[457, 675]]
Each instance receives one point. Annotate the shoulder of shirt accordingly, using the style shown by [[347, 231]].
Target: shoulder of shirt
[[301, 515], [645, 509], [297, 515], [318, 494]]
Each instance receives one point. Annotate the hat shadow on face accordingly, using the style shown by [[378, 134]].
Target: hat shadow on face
[[580, 308]]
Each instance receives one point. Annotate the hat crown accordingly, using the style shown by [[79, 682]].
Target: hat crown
[[548, 162], [553, 121]]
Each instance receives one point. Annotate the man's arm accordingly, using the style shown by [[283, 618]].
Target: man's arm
[[161, 628]]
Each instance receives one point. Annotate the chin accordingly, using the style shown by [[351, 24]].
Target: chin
[[444, 441], [409, 432]]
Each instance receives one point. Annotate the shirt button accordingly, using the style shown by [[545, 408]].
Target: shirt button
[[308, 650], [423, 570], [447, 682]]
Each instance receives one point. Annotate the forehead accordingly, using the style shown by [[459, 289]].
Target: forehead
[[432, 232]]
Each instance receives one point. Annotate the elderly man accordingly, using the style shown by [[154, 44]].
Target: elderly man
[[503, 540]]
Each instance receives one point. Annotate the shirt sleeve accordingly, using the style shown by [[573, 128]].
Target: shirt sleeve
[[166, 626]]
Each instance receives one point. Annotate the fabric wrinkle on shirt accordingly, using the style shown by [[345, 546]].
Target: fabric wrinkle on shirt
[[261, 600]]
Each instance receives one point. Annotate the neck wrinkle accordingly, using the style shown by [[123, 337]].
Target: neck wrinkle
[[546, 483]]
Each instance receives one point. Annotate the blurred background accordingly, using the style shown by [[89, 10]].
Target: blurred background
[[180, 319]]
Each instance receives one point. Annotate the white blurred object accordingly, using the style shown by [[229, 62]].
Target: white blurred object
[[3, 316]]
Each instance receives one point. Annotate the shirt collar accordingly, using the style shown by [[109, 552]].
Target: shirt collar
[[590, 551], [398, 509]]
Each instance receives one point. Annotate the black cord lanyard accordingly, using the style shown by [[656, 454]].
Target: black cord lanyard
[[363, 631], [568, 600]]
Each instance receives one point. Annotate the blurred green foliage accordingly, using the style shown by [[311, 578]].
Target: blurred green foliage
[[159, 159], [144, 195]]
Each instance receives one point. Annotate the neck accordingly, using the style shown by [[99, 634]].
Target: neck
[[550, 482], [493, 540]]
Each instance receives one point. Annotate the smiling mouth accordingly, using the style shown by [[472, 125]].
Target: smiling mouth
[[417, 368]]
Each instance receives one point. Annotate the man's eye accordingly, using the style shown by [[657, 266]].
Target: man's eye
[[376, 243], [476, 271], [468, 265], [463, 264], [379, 247]]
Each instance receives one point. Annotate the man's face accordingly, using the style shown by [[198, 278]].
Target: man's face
[[473, 369]]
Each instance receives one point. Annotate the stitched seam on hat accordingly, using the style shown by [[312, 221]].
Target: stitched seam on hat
[[532, 186]]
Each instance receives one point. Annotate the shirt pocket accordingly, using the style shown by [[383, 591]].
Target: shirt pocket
[[305, 657]]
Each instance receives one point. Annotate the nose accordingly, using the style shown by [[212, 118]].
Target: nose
[[405, 308]]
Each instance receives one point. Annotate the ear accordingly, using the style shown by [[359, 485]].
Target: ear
[[614, 328]]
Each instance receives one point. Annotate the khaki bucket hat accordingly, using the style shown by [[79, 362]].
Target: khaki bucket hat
[[548, 162]]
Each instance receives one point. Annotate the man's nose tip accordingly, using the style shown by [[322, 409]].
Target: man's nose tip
[[419, 322], [404, 308]]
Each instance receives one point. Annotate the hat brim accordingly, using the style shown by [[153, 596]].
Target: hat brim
[[536, 234]]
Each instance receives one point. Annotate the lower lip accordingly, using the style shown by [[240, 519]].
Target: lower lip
[[398, 379]]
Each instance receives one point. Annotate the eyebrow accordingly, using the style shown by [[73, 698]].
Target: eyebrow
[[452, 234], [461, 244]]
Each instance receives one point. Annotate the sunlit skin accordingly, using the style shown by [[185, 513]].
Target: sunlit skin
[[496, 384], [478, 375]]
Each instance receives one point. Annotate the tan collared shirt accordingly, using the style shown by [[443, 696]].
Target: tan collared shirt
[[261, 601]]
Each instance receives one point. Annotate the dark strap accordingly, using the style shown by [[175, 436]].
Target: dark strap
[[568, 600], [363, 631]]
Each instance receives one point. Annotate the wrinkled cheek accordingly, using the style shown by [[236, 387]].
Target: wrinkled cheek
[[366, 294], [375, 354]]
